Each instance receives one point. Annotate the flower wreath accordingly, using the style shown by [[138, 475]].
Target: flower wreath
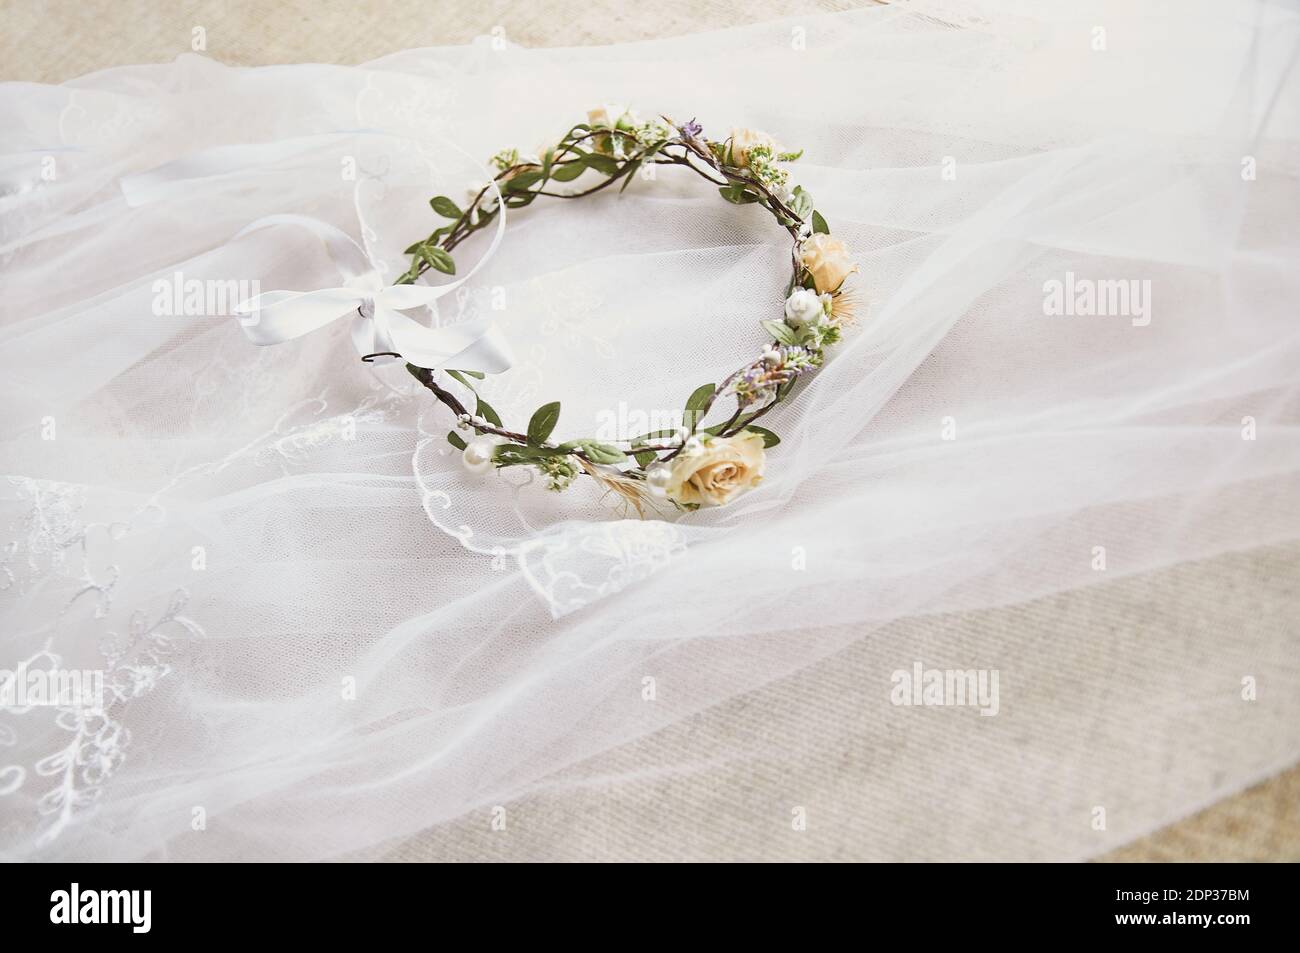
[[690, 466]]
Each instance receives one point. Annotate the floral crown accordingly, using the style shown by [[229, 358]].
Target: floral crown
[[689, 466], [693, 465]]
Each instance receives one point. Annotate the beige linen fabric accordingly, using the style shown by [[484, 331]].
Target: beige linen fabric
[[1137, 632], [869, 765], [53, 40]]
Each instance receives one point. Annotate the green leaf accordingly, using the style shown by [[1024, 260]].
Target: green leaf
[[769, 439], [801, 203], [630, 173], [484, 409], [736, 195], [460, 376], [696, 404], [521, 182], [431, 240], [456, 440], [568, 171], [602, 452], [781, 331], [512, 454], [477, 375], [445, 207], [602, 164], [543, 422], [819, 224], [644, 458], [438, 258], [700, 396]]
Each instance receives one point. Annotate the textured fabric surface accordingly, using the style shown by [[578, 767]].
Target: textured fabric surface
[[742, 809], [97, 34]]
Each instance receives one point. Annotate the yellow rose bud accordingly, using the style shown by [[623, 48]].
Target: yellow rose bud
[[827, 260]]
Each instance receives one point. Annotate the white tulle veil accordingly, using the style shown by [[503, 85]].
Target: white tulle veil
[[321, 635]]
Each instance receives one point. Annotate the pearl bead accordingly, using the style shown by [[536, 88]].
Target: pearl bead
[[657, 478], [477, 456]]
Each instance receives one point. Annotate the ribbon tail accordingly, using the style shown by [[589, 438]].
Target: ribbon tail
[[467, 346], [278, 316]]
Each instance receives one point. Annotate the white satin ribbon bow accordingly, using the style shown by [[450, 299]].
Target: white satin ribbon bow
[[379, 327]]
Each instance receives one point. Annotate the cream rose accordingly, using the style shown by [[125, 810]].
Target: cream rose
[[827, 260], [745, 141], [719, 471]]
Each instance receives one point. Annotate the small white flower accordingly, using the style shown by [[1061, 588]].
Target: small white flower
[[489, 197], [804, 308], [653, 130]]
